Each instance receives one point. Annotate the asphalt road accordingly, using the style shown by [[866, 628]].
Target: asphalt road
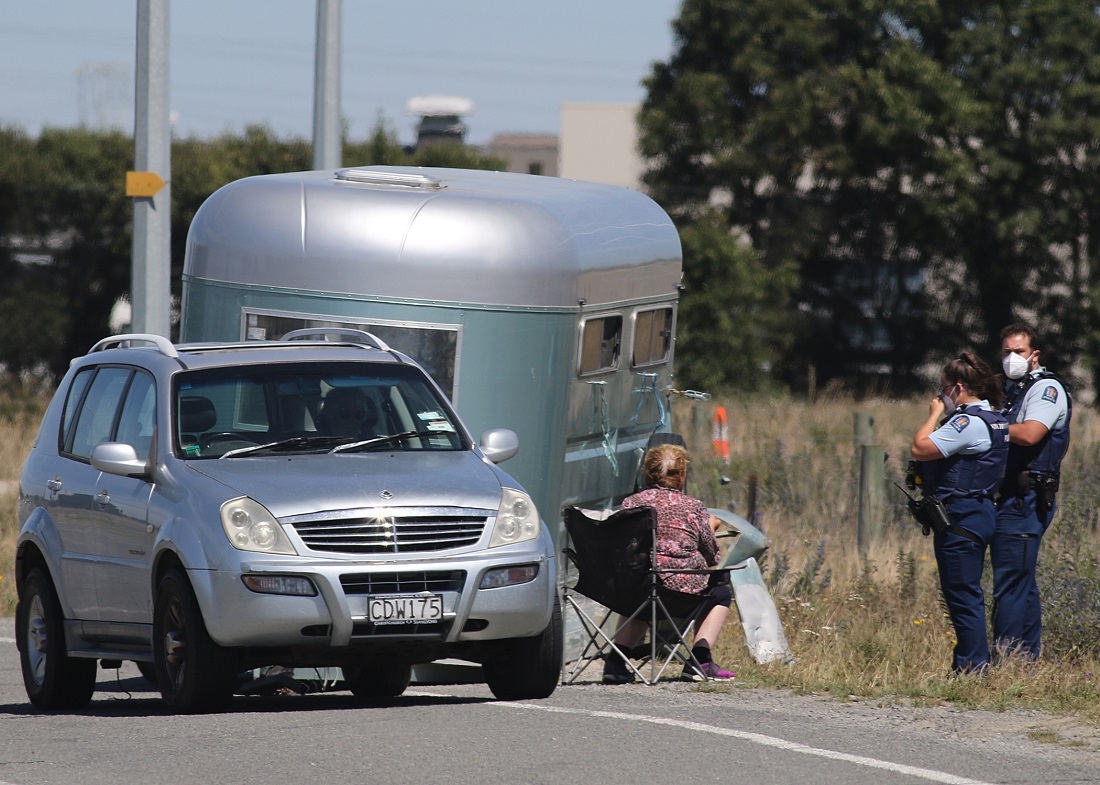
[[674, 732]]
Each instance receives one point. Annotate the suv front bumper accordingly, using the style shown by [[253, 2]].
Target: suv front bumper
[[235, 616]]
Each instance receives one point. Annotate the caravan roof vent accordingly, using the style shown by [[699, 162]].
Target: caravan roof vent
[[376, 177]]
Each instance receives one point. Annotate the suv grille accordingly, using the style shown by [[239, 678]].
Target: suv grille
[[406, 582], [392, 533]]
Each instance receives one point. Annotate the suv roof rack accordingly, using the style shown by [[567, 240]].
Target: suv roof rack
[[356, 336], [127, 341]]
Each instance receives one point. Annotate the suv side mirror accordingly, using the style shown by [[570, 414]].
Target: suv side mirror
[[119, 458], [499, 444]]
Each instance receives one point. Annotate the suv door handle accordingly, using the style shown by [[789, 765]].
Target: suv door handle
[[102, 498], [54, 485]]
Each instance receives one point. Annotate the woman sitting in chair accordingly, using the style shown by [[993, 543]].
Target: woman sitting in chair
[[685, 541]]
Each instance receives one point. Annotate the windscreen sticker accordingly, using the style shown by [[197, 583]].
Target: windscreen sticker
[[441, 425], [430, 416]]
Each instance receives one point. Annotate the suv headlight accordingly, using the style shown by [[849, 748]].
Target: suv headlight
[[517, 519], [250, 527]]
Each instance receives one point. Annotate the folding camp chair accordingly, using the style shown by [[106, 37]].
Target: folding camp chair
[[614, 563]]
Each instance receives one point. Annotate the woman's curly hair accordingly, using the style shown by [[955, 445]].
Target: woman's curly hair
[[665, 466]]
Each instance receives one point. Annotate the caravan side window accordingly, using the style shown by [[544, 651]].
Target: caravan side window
[[652, 336], [435, 346], [601, 339]]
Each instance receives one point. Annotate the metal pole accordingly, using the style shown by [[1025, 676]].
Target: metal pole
[[327, 153], [151, 254]]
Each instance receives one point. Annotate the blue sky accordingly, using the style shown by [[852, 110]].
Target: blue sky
[[239, 62]]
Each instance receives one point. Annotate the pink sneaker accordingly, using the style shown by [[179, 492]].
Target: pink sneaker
[[710, 670]]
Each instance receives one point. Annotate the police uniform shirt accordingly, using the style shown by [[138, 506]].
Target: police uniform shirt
[[963, 433], [1045, 402]]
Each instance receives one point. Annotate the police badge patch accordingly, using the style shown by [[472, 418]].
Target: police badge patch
[[960, 422], [1050, 394]]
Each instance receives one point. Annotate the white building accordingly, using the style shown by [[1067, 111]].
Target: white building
[[599, 142]]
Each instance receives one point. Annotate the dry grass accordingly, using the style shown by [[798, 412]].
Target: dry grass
[[872, 624], [21, 407], [864, 625]]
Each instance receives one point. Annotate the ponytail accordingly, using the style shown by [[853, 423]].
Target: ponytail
[[976, 377]]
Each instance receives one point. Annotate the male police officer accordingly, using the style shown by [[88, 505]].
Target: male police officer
[[1038, 408]]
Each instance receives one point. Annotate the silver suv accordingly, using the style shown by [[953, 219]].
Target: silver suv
[[208, 509]]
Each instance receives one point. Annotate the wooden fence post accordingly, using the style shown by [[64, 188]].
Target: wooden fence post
[[699, 426], [863, 427], [872, 479], [872, 492]]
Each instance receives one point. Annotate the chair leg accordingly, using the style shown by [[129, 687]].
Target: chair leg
[[593, 649], [599, 643], [677, 645]]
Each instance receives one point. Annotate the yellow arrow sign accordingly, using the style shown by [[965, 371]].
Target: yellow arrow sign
[[143, 183]]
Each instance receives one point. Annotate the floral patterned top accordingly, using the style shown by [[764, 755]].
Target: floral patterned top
[[684, 537]]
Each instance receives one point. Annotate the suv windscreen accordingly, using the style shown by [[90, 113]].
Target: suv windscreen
[[309, 407]]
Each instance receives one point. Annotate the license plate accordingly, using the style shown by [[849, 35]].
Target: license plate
[[404, 608]]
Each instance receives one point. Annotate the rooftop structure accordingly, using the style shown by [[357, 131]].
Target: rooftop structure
[[440, 118]]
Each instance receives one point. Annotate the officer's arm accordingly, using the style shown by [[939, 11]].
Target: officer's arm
[[1027, 433], [923, 448]]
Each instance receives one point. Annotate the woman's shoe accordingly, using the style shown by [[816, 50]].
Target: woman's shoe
[[707, 670], [616, 671]]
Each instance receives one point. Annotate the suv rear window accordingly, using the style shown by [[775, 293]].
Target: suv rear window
[[96, 420]]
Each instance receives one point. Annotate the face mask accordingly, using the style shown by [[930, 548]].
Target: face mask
[[1015, 366], [949, 405]]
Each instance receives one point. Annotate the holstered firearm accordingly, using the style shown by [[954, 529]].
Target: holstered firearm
[[1046, 486], [929, 512]]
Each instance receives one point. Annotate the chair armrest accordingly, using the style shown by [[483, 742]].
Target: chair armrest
[[700, 571]]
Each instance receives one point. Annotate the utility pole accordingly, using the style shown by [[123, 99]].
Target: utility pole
[[327, 153], [150, 184]]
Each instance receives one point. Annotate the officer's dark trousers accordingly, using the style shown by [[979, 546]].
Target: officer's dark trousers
[[960, 561], [1014, 552]]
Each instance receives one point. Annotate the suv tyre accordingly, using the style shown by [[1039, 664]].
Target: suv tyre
[[53, 679], [194, 673], [527, 668]]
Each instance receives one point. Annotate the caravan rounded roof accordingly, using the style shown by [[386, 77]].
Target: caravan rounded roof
[[449, 235]]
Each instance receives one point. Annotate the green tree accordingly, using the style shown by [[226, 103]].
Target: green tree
[[928, 167], [33, 323], [381, 148], [731, 328], [69, 198], [1025, 225], [64, 192]]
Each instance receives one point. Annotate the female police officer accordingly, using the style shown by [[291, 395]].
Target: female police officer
[[962, 449]]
